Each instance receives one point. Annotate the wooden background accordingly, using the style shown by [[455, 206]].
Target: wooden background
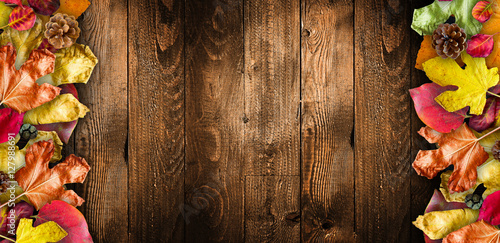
[[251, 121]]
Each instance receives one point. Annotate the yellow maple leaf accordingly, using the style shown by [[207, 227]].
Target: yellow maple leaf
[[73, 7], [46, 232], [473, 82]]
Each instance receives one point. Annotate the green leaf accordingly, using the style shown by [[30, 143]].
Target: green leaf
[[427, 19], [73, 65], [25, 41], [4, 14]]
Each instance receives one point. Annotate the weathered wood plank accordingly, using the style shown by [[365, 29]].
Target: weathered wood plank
[[382, 121], [156, 120], [101, 136], [421, 187], [272, 209], [214, 189], [328, 121], [272, 87]]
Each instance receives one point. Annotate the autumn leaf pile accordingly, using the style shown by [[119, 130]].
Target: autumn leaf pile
[[460, 107], [37, 87]]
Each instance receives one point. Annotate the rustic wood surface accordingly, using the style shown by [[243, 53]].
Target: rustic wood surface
[[251, 121]]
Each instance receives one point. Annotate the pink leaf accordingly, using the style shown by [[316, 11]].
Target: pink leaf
[[69, 218], [44, 7], [490, 112], [22, 18], [482, 11], [433, 114], [439, 203], [490, 211], [63, 129], [10, 122], [480, 45]]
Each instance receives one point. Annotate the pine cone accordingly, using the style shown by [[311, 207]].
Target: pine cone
[[449, 40], [496, 150], [62, 31], [4, 182]]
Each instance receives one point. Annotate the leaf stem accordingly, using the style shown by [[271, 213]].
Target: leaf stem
[[489, 133], [7, 238], [491, 93], [5, 204]]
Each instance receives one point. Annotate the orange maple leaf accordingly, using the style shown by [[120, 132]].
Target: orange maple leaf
[[460, 148], [43, 185], [477, 232], [18, 88]]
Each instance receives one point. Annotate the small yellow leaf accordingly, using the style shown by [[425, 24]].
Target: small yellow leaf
[[64, 108], [438, 224], [73, 65], [473, 82], [46, 232], [73, 7]]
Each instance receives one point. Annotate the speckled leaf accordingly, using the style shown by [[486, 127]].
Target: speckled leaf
[[44, 7], [482, 11], [480, 45], [22, 18]]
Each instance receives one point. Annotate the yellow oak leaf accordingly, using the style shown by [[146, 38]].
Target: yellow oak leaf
[[473, 82], [73, 7], [438, 224], [46, 232]]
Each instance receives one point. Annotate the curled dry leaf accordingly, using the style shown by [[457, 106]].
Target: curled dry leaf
[[64, 108], [439, 224], [69, 218], [73, 65], [480, 45], [433, 114], [18, 88], [482, 11], [460, 148], [10, 123], [475, 233], [44, 233], [63, 129], [473, 82], [43, 185]]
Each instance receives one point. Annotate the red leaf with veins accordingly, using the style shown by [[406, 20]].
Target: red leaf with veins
[[22, 18], [433, 114], [480, 45], [482, 11]]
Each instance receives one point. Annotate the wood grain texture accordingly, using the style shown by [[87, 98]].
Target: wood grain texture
[[101, 136], [156, 121], [272, 209], [328, 121], [214, 121], [382, 121], [421, 187], [272, 87]]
